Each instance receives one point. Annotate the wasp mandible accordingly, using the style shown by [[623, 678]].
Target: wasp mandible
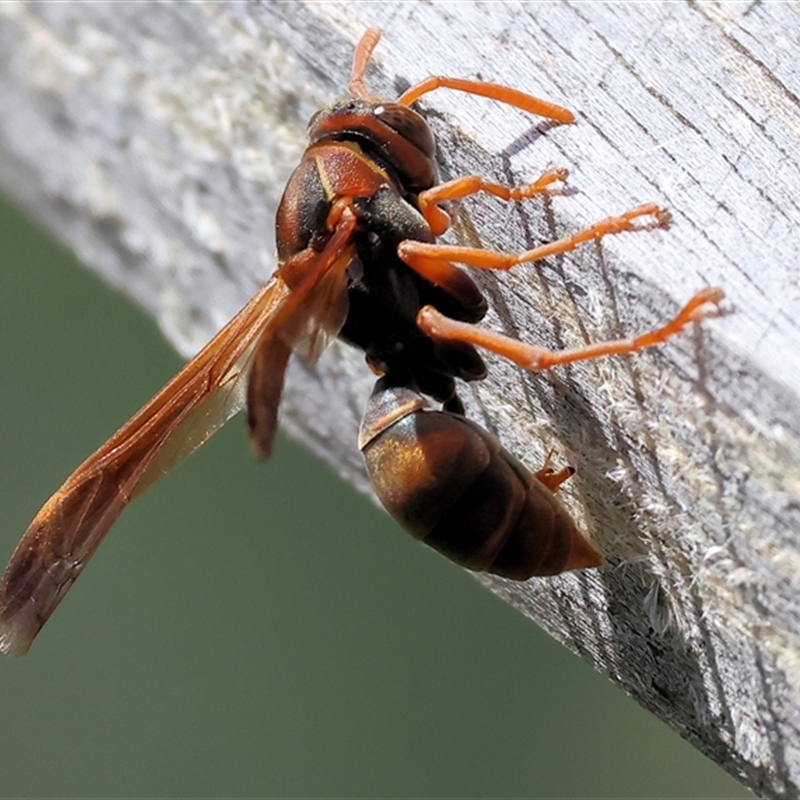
[[358, 259]]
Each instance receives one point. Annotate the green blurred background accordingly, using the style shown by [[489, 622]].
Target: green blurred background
[[261, 630]]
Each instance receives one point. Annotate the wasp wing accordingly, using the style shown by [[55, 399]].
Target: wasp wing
[[308, 333], [182, 416]]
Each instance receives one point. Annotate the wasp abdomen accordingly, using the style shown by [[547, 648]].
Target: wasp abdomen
[[452, 485]]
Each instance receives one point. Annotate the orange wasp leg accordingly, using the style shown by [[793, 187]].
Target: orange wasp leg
[[459, 188], [417, 254], [530, 357], [551, 479]]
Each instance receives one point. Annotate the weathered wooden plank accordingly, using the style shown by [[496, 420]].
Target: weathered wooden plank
[[155, 140]]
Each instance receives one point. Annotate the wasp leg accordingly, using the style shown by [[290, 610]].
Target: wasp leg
[[456, 282], [414, 252], [459, 188], [530, 357], [549, 477]]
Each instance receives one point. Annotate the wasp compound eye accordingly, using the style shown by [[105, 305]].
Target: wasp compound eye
[[410, 125]]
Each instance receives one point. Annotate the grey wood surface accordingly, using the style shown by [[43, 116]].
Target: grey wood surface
[[155, 140]]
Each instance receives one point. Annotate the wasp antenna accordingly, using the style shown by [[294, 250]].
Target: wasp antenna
[[494, 91], [361, 59]]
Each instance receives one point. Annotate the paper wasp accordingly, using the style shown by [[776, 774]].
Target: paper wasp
[[357, 258]]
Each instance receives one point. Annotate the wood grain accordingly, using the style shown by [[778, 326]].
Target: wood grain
[[155, 139]]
